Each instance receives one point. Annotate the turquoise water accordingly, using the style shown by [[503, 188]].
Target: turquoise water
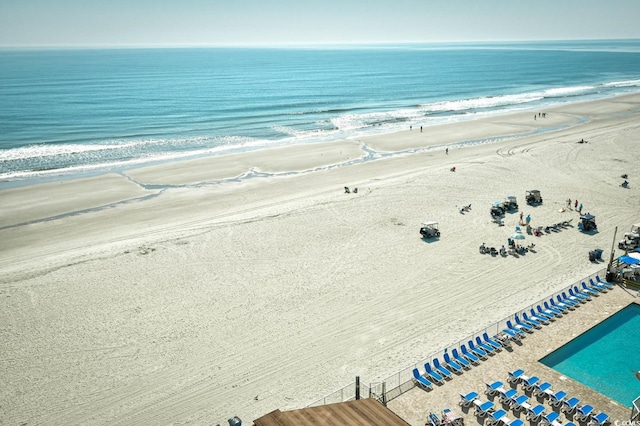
[[606, 357], [73, 112]]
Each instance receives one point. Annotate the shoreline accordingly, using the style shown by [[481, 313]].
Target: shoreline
[[165, 295]]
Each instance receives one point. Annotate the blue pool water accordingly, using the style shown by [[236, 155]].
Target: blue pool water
[[606, 357]]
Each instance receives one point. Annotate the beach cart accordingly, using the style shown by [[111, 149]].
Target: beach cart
[[430, 230]]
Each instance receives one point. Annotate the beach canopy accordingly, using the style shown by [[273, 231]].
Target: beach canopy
[[629, 260], [518, 236]]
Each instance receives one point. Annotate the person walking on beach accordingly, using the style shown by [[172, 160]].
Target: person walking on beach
[[447, 151], [575, 206], [580, 208], [568, 203], [420, 129], [521, 218]]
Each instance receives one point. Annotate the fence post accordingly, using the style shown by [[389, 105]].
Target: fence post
[[357, 387], [384, 393]]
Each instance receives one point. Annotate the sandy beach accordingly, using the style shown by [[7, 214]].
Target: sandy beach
[[191, 292]]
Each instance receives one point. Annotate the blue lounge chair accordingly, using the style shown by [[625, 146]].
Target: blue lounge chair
[[561, 305], [507, 395], [527, 321], [570, 300], [542, 389], [433, 375], [598, 286], [550, 419], [535, 413], [477, 351], [589, 290], [453, 366], [583, 413], [460, 360], [519, 328], [468, 355], [485, 346], [556, 398], [548, 311], [556, 309], [530, 383], [467, 400], [575, 297], [599, 419], [492, 342], [481, 409], [421, 381], [434, 420], [542, 320], [515, 376], [587, 294], [514, 422], [496, 417], [604, 283], [440, 369], [520, 402], [493, 388], [570, 405]]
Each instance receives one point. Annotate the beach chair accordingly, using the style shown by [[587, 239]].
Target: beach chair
[[542, 320], [576, 297], [492, 388], [485, 346], [561, 304], [433, 375], [599, 419], [441, 369], [513, 422], [556, 398], [520, 328], [520, 402], [524, 321], [516, 376], [467, 400], [530, 383], [570, 405], [491, 342], [569, 301], [542, 389], [549, 306], [548, 311], [534, 414], [495, 417], [453, 366], [584, 413], [460, 360], [589, 290], [588, 294], [604, 283], [469, 354], [421, 381], [481, 409], [598, 286], [477, 350], [506, 396], [550, 419]]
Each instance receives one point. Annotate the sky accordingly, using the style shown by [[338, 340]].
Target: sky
[[105, 23]]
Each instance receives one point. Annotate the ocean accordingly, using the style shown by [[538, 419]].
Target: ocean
[[77, 112]]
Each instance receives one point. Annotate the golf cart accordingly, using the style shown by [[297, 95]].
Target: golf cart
[[497, 210], [510, 203], [430, 230], [533, 197], [631, 239], [587, 223]]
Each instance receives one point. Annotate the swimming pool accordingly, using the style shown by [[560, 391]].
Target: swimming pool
[[606, 357]]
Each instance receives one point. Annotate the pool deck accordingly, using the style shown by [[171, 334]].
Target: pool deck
[[415, 405]]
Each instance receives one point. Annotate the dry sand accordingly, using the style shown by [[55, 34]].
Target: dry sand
[[192, 292]]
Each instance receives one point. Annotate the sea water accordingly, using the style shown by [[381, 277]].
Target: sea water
[[66, 113]]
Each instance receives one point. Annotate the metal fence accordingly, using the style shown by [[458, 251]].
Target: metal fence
[[402, 381]]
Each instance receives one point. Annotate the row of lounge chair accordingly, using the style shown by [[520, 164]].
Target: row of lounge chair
[[537, 413], [550, 309], [457, 361]]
